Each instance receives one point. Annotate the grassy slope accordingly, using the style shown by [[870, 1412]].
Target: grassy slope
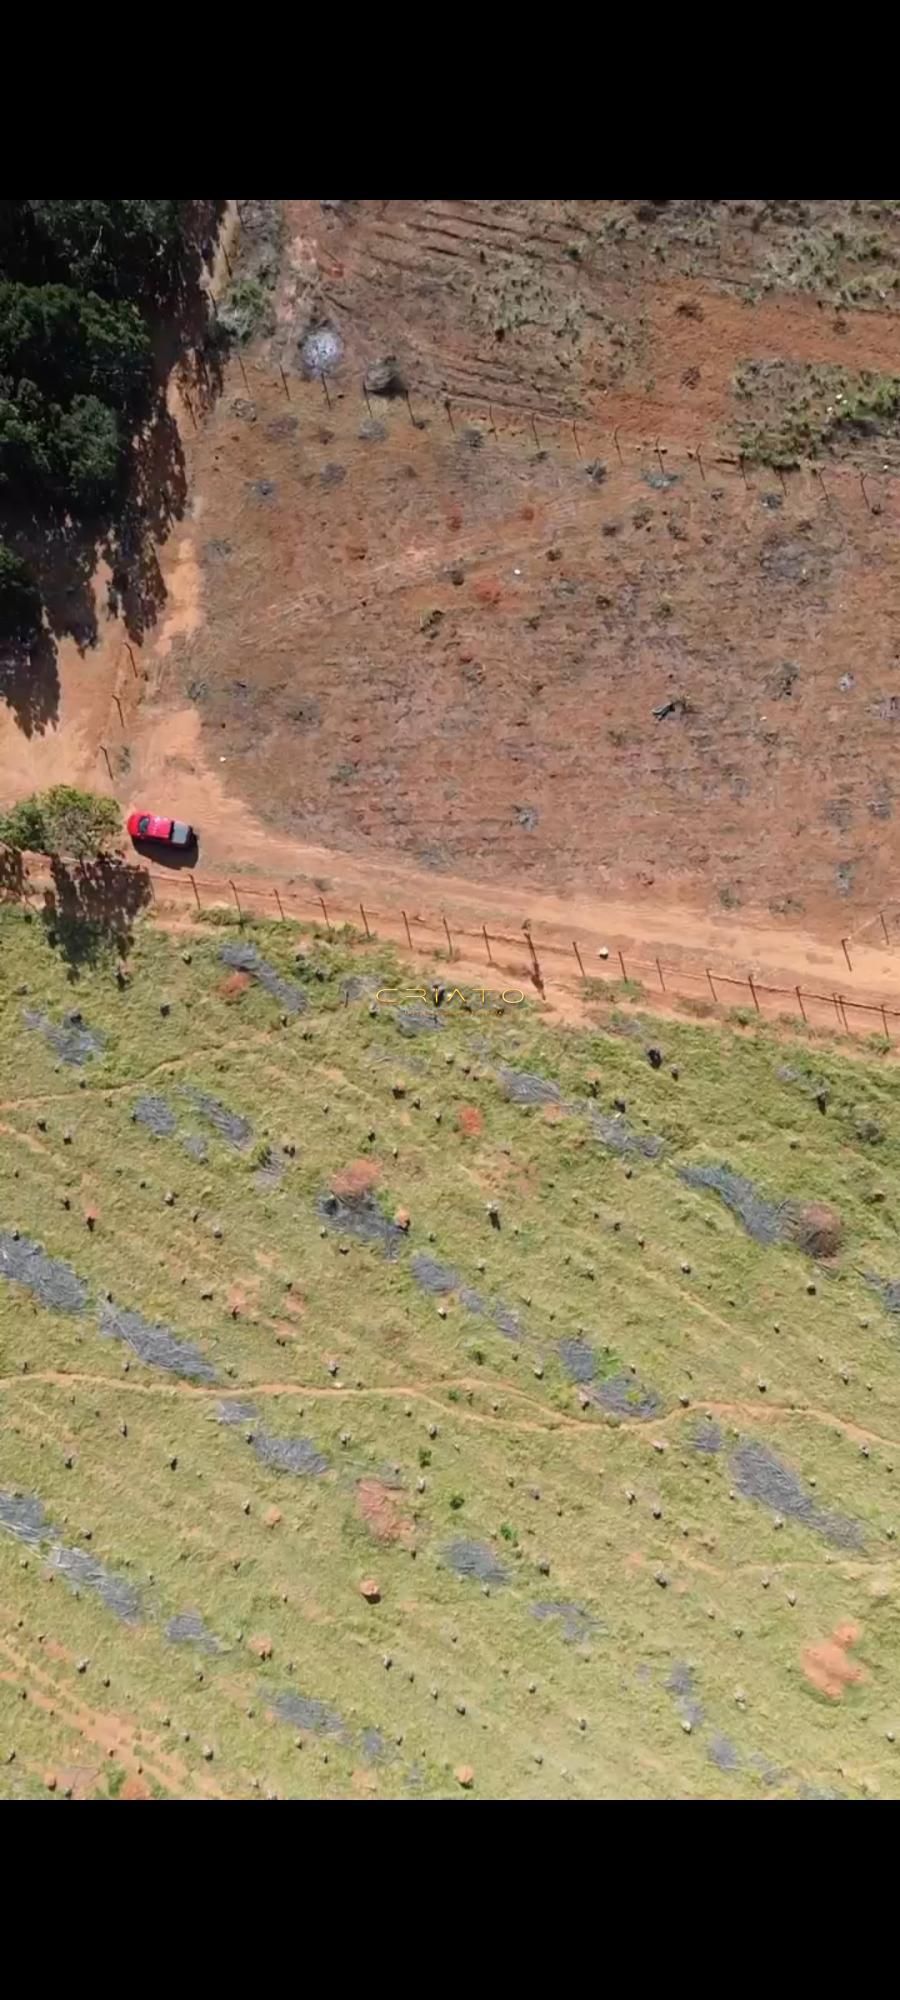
[[195, 1537]]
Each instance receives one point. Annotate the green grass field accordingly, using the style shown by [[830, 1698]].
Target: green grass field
[[637, 1622]]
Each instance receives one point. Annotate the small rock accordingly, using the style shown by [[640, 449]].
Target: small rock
[[465, 1776], [369, 1590]]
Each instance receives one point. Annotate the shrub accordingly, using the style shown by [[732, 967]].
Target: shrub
[[63, 821]]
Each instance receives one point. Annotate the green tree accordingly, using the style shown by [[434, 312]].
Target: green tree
[[63, 821], [89, 452], [20, 599], [71, 343]]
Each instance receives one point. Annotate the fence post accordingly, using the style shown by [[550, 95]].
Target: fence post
[[884, 1023], [119, 707], [280, 910], [408, 938], [711, 986], [846, 954], [447, 935], [284, 381], [837, 1008], [365, 921], [800, 1002], [108, 764], [538, 980], [754, 992], [578, 956], [196, 890], [235, 895], [661, 979], [884, 927], [622, 966], [131, 658], [321, 898], [487, 944]]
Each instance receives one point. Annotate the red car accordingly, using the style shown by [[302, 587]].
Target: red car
[[171, 832]]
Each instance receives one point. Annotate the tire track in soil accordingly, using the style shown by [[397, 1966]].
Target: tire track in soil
[[749, 1412], [108, 1733]]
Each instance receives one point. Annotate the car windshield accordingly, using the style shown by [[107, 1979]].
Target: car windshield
[[143, 822]]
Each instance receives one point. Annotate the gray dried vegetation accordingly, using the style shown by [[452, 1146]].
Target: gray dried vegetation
[[154, 1344], [245, 958], [52, 1282]]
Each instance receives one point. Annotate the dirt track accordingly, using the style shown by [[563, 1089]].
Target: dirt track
[[662, 840]]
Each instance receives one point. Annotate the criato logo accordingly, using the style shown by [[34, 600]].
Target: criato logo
[[438, 996]]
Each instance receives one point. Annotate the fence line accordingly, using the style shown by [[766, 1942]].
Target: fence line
[[679, 981], [690, 985], [584, 429]]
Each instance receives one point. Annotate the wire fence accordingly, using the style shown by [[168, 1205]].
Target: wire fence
[[474, 418], [544, 962]]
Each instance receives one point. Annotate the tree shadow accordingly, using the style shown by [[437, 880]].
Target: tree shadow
[[89, 911], [12, 875], [62, 552]]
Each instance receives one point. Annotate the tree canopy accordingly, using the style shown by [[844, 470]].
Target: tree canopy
[[82, 284], [62, 821]]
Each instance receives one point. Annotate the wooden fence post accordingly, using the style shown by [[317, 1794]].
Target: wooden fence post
[[754, 993], [408, 938], [108, 764], [578, 956], [661, 979], [711, 986], [447, 935], [846, 954], [837, 1008], [235, 895], [800, 1002], [365, 921], [884, 1023], [884, 927], [487, 944], [622, 966], [280, 910], [321, 898], [196, 890]]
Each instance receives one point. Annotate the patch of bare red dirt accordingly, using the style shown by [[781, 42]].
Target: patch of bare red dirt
[[383, 1512], [355, 1179], [827, 1665], [235, 986], [469, 1121]]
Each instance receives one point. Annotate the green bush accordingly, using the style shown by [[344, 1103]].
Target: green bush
[[62, 821]]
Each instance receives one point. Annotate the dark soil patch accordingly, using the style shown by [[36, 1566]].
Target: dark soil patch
[[229, 1124], [298, 1455], [246, 958], [72, 1041], [156, 1345], [23, 1516], [54, 1283], [188, 1629], [888, 1290], [476, 1560], [432, 1276], [156, 1115], [760, 1475], [417, 1020], [521, 1087], [723, 1753], [86, 1572], [682, 1684], [578, 1359], [762, 1219], [304, 1711], [236, 1413], [707, 1436], [624, 1397], [620, 1137], [577, 1624], [361, 1217]]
